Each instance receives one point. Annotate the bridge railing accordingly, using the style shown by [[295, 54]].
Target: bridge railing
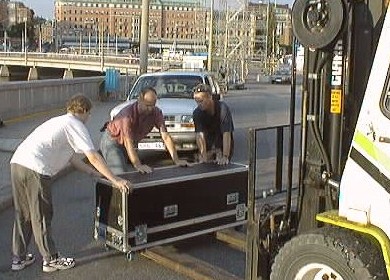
[[124, 63], [28, 97]]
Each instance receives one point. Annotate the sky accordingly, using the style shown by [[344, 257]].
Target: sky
[[45, 8]]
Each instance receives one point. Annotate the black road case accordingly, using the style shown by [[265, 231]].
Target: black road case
[[169, 204]]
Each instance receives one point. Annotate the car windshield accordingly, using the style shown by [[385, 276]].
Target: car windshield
[[170, 86]]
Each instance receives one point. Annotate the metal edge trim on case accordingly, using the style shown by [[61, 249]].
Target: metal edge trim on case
[[186, 178], [241, 168], [184, 236], [188, 222], [163, 241], [125, 227]]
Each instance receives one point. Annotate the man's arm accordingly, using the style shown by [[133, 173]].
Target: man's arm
[[133, 156], [172, 149], [226, 148], [80, 165], [98, 162], [201, 142], [226, 123]]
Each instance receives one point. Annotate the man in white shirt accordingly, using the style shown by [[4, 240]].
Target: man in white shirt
[[45, 152]]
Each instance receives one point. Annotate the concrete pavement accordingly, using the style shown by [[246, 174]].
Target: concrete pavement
[[15, 131]]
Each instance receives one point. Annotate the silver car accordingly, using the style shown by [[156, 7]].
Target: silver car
[[281, 77], [175, 99]]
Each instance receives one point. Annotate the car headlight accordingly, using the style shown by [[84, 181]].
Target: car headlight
[[187, 121]]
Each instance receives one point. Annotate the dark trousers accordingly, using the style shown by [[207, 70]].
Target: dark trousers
[[33, 212]]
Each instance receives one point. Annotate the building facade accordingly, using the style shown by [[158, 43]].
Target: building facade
[[172, 21], [257, 32], [3, 14], [18, 13], [271, 31]]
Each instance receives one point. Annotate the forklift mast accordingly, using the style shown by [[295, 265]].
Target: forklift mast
[[339, 38], [340, 167]]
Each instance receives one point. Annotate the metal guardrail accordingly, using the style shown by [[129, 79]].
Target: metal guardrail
[[125, 64]]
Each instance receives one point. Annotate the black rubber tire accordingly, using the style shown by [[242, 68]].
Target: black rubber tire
[[318, 38], [350, 255]]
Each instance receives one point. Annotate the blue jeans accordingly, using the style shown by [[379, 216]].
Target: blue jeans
[[114, 154]]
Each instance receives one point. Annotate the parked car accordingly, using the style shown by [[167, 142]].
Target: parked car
[[175, 99], [281, 77]]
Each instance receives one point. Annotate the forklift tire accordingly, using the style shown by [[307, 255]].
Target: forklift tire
[[329, 253], [318, 26]]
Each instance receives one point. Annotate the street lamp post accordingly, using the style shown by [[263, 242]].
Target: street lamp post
[[116, 45], [55, 35], [108, 42], [25, 40], [273, 35], [5, 41], [101, 46], [40, 39], [92, 27], [96, 40], [80, 41], [22, 42], [89, 42], [266, 39], [211, 39]]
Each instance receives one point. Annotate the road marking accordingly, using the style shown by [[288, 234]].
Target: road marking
[[33, 115]]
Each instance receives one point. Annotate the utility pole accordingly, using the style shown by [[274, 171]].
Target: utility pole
[[266, 41], [144, 44], [55, 35], [25, 41], [273, 36], [225, 49], [80, 42], [211, 37], [40, 39], [5, 41]]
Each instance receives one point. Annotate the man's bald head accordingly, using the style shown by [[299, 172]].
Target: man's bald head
[[147, 100]]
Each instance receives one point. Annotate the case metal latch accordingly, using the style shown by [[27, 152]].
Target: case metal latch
[[171, 211], [241, 210], [97, 212], [120, 220], [141, 235], [232, 198]]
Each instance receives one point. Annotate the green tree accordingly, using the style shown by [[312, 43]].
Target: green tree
[[16, 30]]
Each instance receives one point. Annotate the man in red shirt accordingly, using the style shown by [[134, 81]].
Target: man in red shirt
[[131, 125]]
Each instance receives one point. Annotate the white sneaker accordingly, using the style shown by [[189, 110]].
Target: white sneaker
[[21, 264], [60, 263]]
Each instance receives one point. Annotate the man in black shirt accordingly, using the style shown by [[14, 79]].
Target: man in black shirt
[[213, 126]]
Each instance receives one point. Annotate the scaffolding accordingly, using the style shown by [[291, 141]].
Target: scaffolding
[[245, 36], [231, 48]]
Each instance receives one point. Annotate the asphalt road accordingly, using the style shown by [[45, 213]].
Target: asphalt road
[[260, 105]]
